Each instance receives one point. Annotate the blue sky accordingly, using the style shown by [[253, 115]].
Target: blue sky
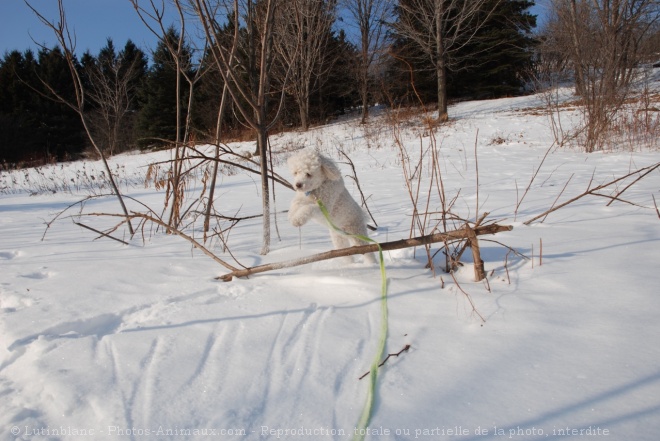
[[92, 20]]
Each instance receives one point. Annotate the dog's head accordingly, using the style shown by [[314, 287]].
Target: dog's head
[[311, 169]]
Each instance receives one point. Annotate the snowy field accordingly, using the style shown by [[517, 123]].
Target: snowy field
[[105, 341]]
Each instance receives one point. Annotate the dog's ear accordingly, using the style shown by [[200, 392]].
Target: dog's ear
[[330, 169]]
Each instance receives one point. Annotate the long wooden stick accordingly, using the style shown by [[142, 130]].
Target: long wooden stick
[[462, 233]]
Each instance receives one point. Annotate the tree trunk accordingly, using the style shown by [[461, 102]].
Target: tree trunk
[[364, 74], [441, 68], [303, 106], [580, 88], [262, 146]]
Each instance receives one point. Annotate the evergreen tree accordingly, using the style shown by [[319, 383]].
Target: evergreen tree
[[19, 140], [58, 124], [158, 97], [133, 67], [208, 94], [35, 126], [498, 60], [410, 76], [337, 88], [133, 59]]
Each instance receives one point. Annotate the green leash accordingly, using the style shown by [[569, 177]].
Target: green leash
[[360, 430]]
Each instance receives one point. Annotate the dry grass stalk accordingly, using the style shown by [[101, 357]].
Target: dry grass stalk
[[536, 172]]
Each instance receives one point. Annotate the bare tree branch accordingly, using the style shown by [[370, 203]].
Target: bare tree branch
[[594, 191], [300, 37]]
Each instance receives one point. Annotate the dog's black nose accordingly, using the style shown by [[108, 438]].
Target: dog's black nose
[[299, 185]]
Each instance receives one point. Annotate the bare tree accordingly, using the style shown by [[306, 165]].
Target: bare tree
[[301, 35], [370, 17], [439, 29], [111, 81], [68, 45], [253, 61], [603, 39]]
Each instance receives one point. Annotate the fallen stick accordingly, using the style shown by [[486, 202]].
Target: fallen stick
[[463, 233], [405, 349], [101, 233]]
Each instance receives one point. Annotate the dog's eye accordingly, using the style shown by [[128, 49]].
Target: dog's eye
[[308, 175]]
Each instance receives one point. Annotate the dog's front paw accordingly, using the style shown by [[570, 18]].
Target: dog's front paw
[[297, 222], [298, 218], [300, 214]]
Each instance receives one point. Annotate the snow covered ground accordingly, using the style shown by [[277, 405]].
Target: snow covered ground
[[100, 340]]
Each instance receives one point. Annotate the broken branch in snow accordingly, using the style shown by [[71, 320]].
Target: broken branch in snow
[[479, 272], [616, 197], [101, 233], [463, 233], [405, 349], [594, 191]]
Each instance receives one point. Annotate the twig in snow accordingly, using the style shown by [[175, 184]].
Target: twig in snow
[[630, 185], [506, 266], [405, 349], [594, 191], [559, 195], [474, 308], [100, 232], [531, 180]]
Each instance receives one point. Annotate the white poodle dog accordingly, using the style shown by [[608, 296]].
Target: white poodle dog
[[317, 177]]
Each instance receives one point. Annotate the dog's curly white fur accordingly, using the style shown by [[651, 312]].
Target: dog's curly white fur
[[317, 177]]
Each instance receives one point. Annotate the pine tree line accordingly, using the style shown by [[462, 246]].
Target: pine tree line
[[133, 104]]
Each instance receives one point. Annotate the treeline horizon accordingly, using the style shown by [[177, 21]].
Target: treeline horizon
[[131, 101]]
